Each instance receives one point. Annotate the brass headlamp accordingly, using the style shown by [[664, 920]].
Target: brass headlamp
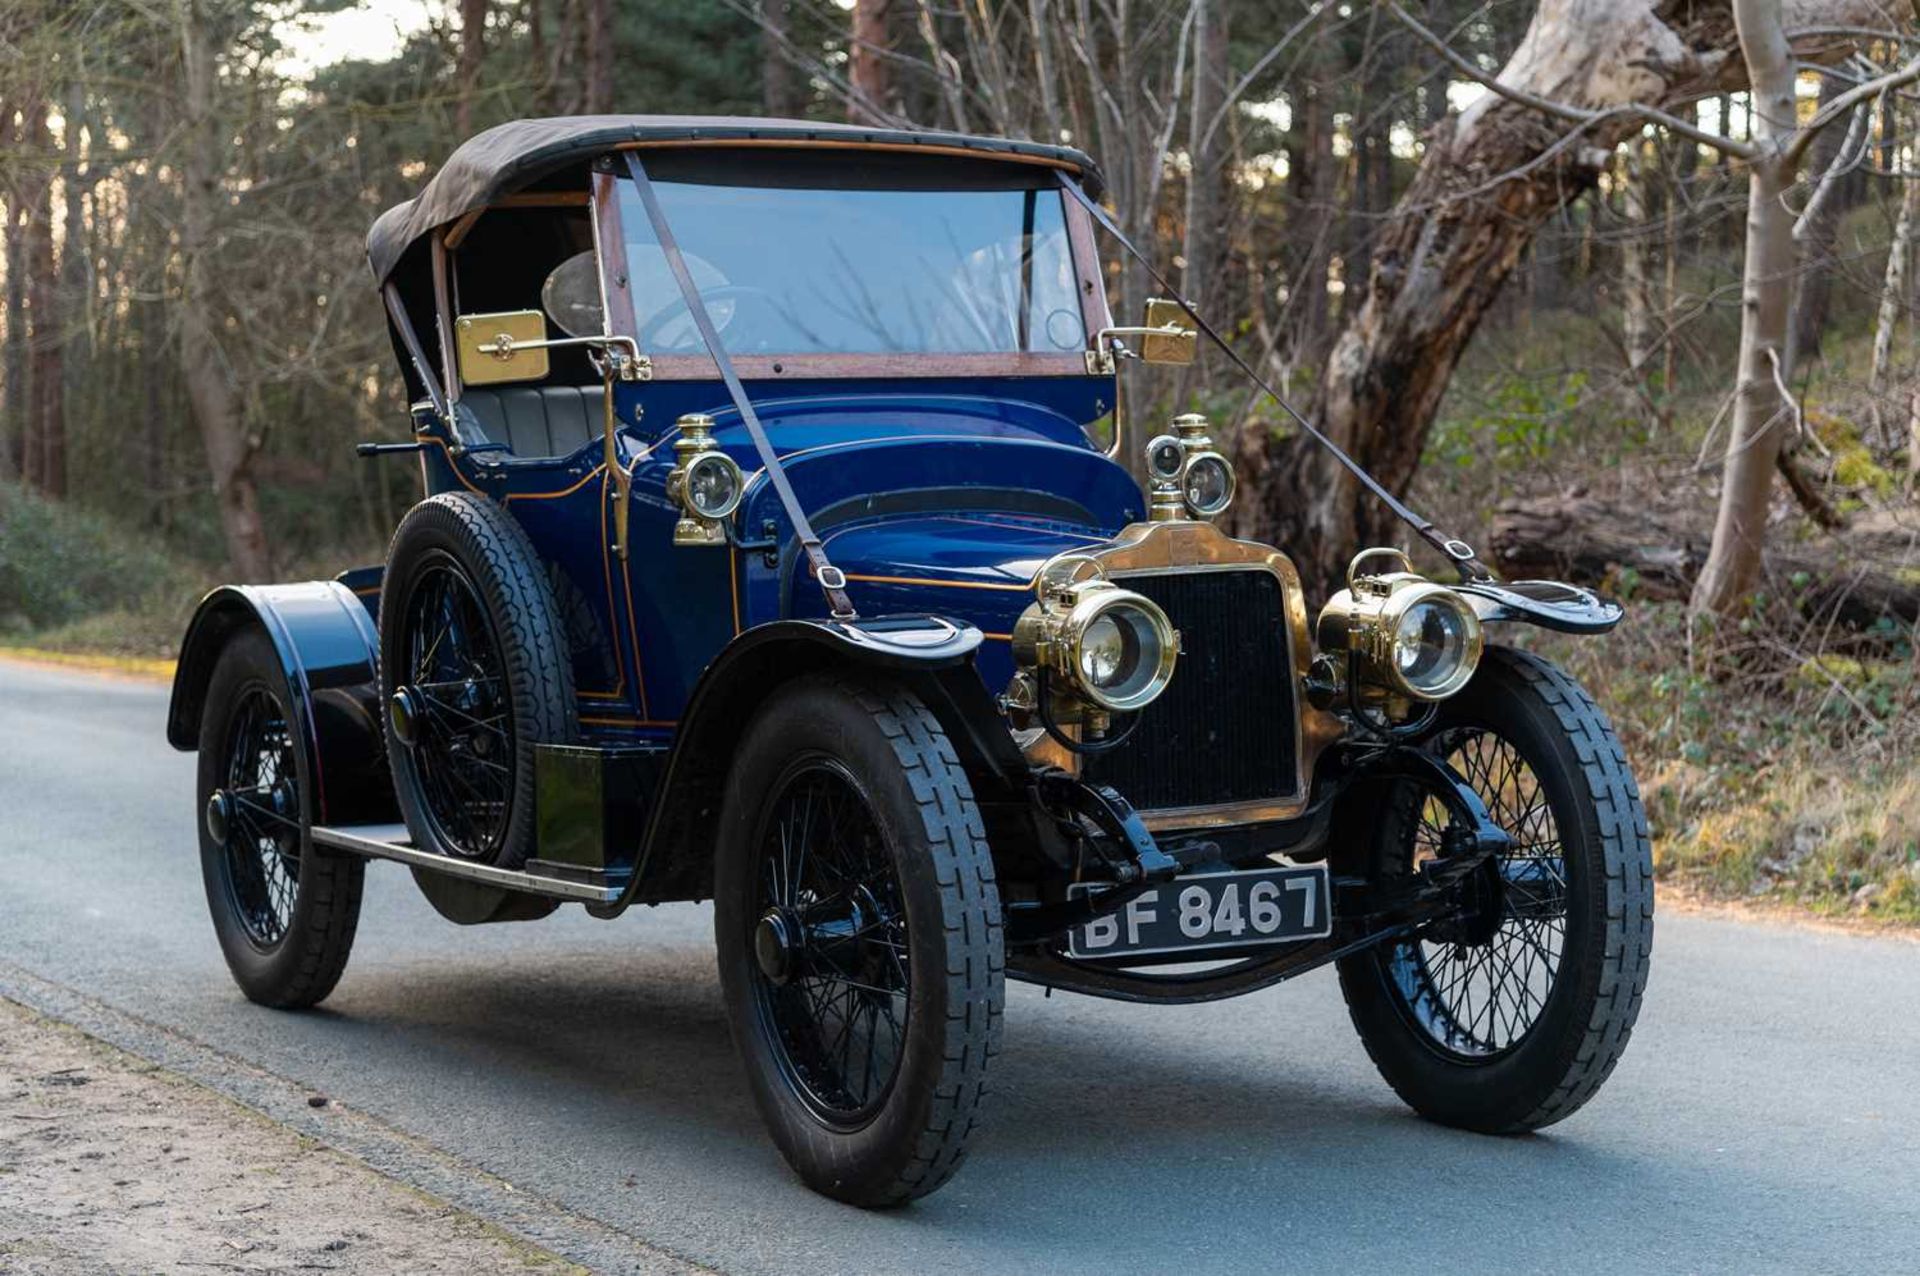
[[706, 482], [1099, 649], [1409, 638]]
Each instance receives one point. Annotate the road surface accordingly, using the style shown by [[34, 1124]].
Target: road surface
[[1765, 1118]]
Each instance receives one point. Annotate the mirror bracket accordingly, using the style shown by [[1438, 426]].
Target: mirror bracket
[[1164, 338], [490, 349]]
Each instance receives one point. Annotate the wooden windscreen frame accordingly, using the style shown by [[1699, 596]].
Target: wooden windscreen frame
[[616, 293]]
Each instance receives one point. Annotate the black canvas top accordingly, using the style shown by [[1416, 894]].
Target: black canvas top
[[510, 157]]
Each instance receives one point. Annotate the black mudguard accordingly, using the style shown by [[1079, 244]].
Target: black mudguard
[[328, 651], [931, 654], [1550, 604]]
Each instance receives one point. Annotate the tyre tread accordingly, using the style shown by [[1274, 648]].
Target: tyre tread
[[976, 971]]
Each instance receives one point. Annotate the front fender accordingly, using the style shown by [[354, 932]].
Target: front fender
[[929, 653], [1550, 604], [328, 652]]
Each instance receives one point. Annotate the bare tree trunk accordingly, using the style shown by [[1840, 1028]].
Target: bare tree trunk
[[203, 367], [1893, 292], [75, 271], [599, 41], [1490, 179], [1637, 269], [1313, 201], [869, 75], [1815, 275], [473, 50], [1913, 439], [13, 357], [1670, 300], [46, 466], [1206, 214], [777, 84], [1760, 417]]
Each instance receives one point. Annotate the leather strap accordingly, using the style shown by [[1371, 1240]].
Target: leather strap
[[1456, 551], [832, 581]]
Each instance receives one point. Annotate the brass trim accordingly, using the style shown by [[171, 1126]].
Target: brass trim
[[1156, 549]]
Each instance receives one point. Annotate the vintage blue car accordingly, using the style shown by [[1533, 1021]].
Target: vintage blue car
[[767, 555]]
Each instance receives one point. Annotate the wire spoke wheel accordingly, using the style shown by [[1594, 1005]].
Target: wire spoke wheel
[[830, 937], [1478, 997], [263, 848], [464, 750]]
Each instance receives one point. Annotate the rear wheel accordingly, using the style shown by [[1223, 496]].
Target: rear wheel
[[474, 671], [858, 926], [285, 912], [1511, 1018]]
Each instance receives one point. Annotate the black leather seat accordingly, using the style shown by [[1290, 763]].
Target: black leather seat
[[537, 420]]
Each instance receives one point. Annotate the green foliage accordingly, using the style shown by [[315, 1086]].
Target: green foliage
[[1517, 420], [58, 564]]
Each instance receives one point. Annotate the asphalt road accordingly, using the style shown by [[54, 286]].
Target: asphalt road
[[1765, 1118]]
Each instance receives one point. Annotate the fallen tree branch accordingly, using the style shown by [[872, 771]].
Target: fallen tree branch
[[1593, 542]]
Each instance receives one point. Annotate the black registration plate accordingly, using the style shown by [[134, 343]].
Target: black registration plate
[[1211, 910]]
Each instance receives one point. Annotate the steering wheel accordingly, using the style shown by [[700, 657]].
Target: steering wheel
[[650, 330]]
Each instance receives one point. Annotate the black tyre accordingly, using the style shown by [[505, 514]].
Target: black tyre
[[858, 927], [474, 670], [285, 911], [1512, 1022]]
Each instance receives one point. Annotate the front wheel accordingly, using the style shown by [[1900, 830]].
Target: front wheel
[[858, 926], [1510, 1021]]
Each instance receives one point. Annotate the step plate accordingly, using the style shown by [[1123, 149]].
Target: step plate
[[392, 842]]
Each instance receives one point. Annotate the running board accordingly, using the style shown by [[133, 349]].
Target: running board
[[392, 842]]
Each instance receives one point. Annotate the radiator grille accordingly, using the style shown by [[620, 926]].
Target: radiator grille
[[1225, 728]]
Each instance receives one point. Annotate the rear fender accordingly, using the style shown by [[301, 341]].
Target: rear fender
[[328, 651], [930, 655]]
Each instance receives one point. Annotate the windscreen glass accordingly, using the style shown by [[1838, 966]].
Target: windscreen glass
[[827, 262]]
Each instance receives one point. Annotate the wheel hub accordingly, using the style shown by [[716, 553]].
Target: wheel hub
[[404, 709], [219, 817], [776, 947]]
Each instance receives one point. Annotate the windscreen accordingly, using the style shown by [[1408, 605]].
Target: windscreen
[[818, 259]]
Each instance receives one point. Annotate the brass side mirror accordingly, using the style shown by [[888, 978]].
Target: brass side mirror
[[510, 346], [1168, 335]]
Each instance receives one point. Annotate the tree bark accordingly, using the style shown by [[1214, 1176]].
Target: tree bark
[[869, 74], [1206, 213], [1894, 289], [1636, 252], [1313, 199], [13, 356], [203, 366], [46, 460], [1815, 274], [1490, 178], [599, 36], [473, 50], [1760, 417], [76, 272], [778, 93]]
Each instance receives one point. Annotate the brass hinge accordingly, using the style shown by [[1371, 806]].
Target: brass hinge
[[1100, 363], [638, 368]]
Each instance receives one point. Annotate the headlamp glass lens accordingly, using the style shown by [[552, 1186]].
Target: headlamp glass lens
[[1165, 456], [1209, 485], [713, 486], [1107, 650], [1430, 645]]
